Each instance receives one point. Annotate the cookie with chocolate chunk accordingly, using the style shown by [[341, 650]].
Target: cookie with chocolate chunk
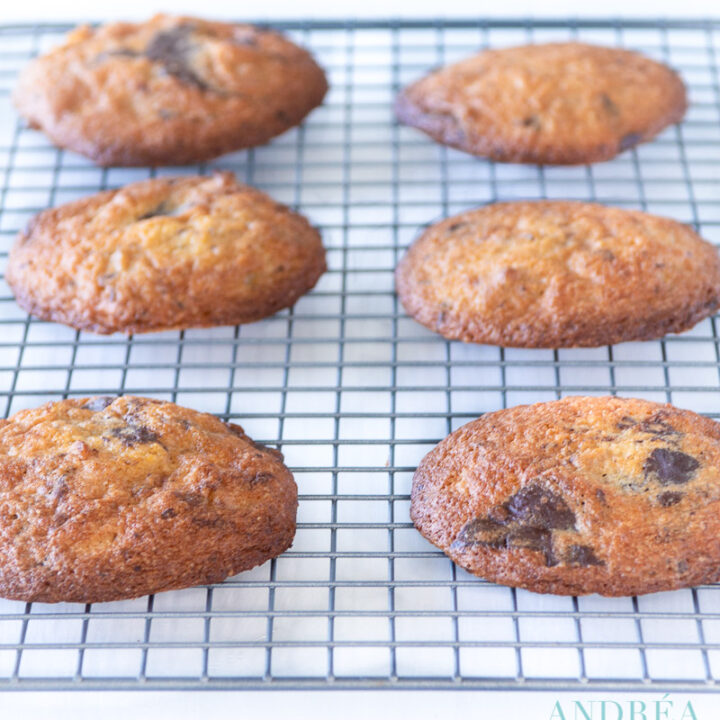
[[110, 498], [166, 253], [554, 274], [559, 103], [169, 91], [582, 495]]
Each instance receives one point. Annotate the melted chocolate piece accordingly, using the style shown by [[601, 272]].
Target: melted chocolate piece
[[134, 435], [481, 531], [172, 48], [610, 107], [654, 425], [190, 498], [167, 514], [670, 467], [537, 506], [666, 499], [98, 403], [581, 556], [533, 538], [527, 520]]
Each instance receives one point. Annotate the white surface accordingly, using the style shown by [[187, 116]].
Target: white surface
[[81, 10], [460, 705]]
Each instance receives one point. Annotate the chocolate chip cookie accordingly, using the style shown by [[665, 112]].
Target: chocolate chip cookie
[[581, 495], [165, 253], [110, 498], [170, 91], [561, 103], [555, 274]]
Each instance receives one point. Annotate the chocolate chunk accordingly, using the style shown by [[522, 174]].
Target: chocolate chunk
[[134, 435], [481, 531], [97, 404], [531, 121], [191, 498], [533, 538], [168, 513], [610, 107], [456, 226], [670, 467], [212, 521], [525, 521], [172, 48], [655, 425], [261, 477], [667, 499], [541, 508], [582, 556], [630, 140]]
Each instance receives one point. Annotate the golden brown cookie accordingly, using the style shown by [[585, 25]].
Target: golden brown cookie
[[555, 274], [165, 253], [560, 103], [582, 495], [111, 498], [169, 91]]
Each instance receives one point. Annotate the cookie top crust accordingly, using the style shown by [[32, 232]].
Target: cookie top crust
[[163, 254], [582, 495], [557, 274], [169, 91], [556, 103], [109, 498]]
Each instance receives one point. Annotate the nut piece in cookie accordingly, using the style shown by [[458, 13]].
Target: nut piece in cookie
[[582, 495], [166, 253], [560, 103], [554, 274], [169, 91], [112, 498]]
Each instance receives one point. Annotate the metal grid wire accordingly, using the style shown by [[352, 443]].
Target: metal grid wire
[[355, 393]]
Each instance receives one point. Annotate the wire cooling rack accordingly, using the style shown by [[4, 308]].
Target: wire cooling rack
[[355, 393]]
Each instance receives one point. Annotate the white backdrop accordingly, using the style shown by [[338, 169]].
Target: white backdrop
[[79, 10]]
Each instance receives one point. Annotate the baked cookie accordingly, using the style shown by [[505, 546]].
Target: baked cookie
[[165, 253], [555, 274], [582, 495], [170, 91], [561, 103], [111, 498]]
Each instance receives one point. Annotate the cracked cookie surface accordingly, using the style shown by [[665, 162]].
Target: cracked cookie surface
[[582, 495], [170, 91], [560, 103], [556, 274], [111, 498], [166, 253]]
